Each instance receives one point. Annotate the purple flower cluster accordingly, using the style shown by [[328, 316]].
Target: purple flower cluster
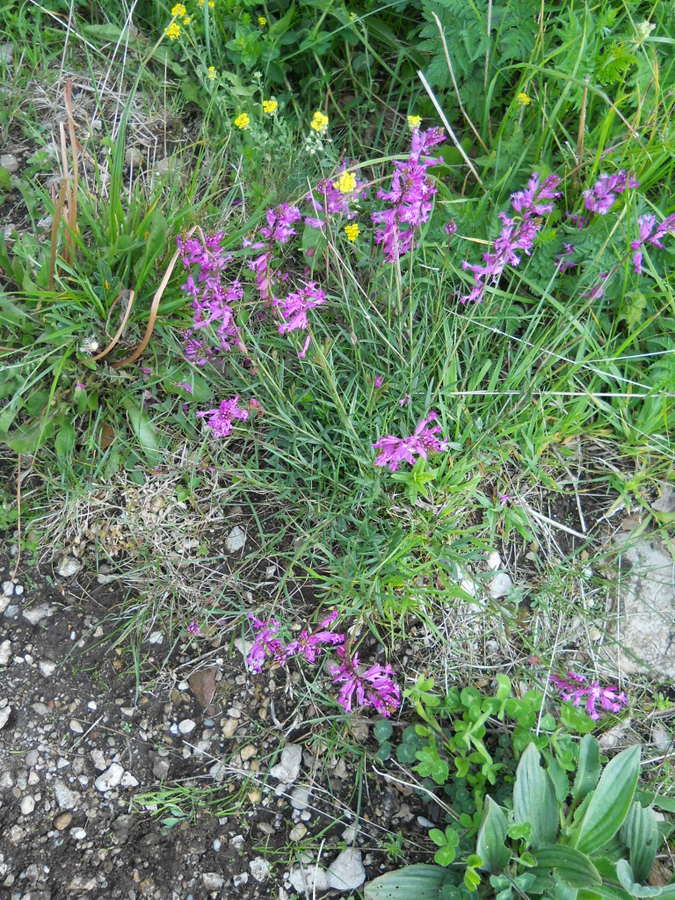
[[516, 235], [332, 201], [220, 420], [395, 450], [373, 686], [410, 196], [576, 689], [650, 233], [602, 196], [294, 308]]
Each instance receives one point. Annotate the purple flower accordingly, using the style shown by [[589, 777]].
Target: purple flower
[[450, 228], [379, 381], [564, 259], [194, 628], [405, 400], [579, 221], [576, 688], [504, 499], [311, 644], [280, 223], [597, 292], [371, 687], [649, 234], [187, 387], [266, 644], [220, 420], [333, 201], [410, 195], [394, 450], [601, 197], [516, 235], [296, 305]]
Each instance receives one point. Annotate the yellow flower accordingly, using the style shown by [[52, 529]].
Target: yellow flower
[[319, 121], [269, 106], [414, 122], [187, 20], [345, 183], [172, 31], [262, 21], [242, 121], [352, 232], [211, 73], [523, 99], [178, 10]]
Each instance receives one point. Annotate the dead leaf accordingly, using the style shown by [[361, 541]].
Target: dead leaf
[[203, 684]]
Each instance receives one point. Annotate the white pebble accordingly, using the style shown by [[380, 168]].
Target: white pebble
[[27, 805], [186, 726]]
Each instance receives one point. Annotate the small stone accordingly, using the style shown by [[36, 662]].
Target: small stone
[[259, 868], [236, 540], [240, 880], [47, 667], [36, 614], [247, 752], [98, 760], [78, 834], [5, 652], [494, 561], [4, 715], [8, 588], [110, 778], [63, 821], [254, 796], [76, 727], [309, 881], [300, 798], [500, 585], [213, 881], [186, 726], [66, 798], [350, 834], [156, 637], [128, 780], [27, 805], [298, 832], [18, 590], [288, 768], [229, 727], [9, 161], [160, 768], [346, 872], [68, 566]]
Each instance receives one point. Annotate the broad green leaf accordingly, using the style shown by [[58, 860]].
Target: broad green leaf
[[640, 834], [490, 844], [534, 799], [609, 803], [64, 442], [571, 865], [145, 431], [418, 882], [667, 803], [588, 768], [627, 878]]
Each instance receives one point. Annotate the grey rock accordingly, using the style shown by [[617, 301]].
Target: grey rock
[[309, 880], [500, 585], [128, 780], [160, 768], [240, 880], [5, 713], [213, 881], [98, 760], [8, 588], [66, 798], [300, 798], [346, 872], [9, 161], [666, 502], [5, 652], [76, 727], [236, 540], [110, 778], [27, 805], [68, 566], [259, 869], [186, 726], [646, 608], [288, 768], [35, 614], [78, 834], [298, 832], [47, 667]]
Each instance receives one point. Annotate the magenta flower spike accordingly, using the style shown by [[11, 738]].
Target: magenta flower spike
[[576, 689], [373, 686], [650, 233], [602, 196], [395, 450], [220, 420]]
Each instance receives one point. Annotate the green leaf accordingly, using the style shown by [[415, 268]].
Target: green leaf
[[627, 880], [640, 834], [534, 799], [418, 882], [575, 720], [490, 844], [666, 803], [445, 855], [572, 866], [609, 802], [588, 768], [145, 431], [382, 730], [64, 442]]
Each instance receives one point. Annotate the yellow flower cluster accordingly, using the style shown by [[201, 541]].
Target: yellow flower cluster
[[211, 4], [352, 232], [211, 73], [345, 183], [242, 121], [319, 121], [414, 122], [523, 99], [172, 31], [269, 106], [178, 10], [262, 21]]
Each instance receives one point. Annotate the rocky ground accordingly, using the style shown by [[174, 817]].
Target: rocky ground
[[99, 782]]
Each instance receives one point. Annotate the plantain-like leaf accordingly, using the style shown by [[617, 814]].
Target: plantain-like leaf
[[588, 768], [418, 882], [490, 843], [626, 877], [534, 800], [641, 835], [609, 803], [572, 866]]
